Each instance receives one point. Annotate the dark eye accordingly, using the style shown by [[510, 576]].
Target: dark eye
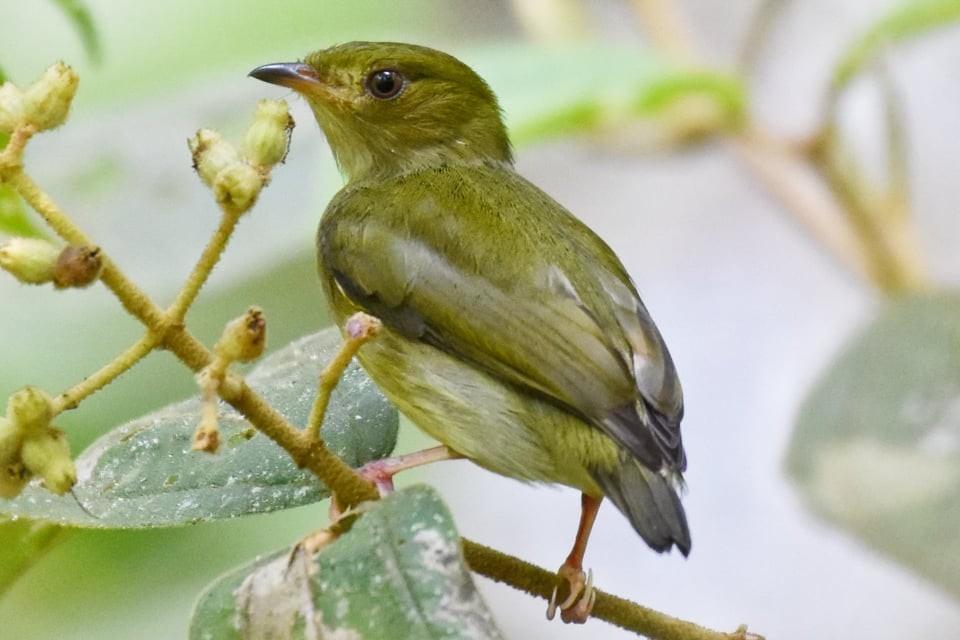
[[385, 84]]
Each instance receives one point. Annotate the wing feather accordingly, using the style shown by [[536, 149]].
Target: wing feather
[[538, 312]]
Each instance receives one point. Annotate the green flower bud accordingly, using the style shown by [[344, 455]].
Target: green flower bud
[[238, 186], [11, 107], [30, 260], [243, 338], [31, 408], [47, 101], [48, 456], [13, 477], [11, 438], [211, 155], [77, 266], [266, 141]]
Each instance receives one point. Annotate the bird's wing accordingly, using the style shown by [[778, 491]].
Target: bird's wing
[[513, 313]]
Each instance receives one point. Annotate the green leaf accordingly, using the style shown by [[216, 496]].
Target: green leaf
[[143, 474], [603, 86], [3, 78], [876, 449], [397, 573], [907, 21], [78, 14], [14, 218], [24, 542]]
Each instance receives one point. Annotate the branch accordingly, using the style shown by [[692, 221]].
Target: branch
[[886, 255], [617, 611]]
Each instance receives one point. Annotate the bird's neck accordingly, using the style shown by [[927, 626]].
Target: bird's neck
[[371, 168], [370, 154]]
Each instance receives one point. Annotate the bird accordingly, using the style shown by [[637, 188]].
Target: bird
[[512, 333]]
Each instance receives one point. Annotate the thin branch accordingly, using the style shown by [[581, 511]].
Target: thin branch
[[229, 218], [667, 28], [887, 254], [791, 181], [71, 398], [898, 173], [310, 454], [360, 329], [761, 25], [887, 241], [618, 611]]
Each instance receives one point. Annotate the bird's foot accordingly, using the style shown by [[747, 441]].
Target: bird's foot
[[578, 605], [380, 473]]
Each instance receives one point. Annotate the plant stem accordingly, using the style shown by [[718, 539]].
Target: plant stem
[[667, 28], [72, 397], [881, 222], [791, 181], [310, 454], [208, 260], [360, 329], [618, 611]]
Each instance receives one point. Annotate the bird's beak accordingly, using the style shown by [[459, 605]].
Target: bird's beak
[[298, 76]]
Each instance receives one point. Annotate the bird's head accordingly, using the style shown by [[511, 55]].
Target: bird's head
[[389, 108]]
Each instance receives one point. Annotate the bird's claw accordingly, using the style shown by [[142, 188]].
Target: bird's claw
[[577, 606]]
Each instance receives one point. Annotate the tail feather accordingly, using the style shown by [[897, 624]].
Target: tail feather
[[649, 501]]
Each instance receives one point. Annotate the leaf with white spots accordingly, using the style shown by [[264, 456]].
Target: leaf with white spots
[[397, 573], [143, 473]]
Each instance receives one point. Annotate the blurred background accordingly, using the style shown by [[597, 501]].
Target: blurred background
[[755, 308]]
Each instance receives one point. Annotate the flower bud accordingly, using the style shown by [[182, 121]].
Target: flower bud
[[267, 138], [211, 155], [243, 338], [11, 438], [47, 101], [238, 186], [11, 107], [48, 455], [30, 260], [362, 327], [13, 477], [31, 408], [77, 266]]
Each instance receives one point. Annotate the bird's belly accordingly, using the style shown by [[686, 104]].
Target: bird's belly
[[490, 422]]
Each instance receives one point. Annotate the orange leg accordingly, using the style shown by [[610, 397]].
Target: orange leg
[[578, 605]]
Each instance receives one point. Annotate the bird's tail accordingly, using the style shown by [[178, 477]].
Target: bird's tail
[[649, 501]]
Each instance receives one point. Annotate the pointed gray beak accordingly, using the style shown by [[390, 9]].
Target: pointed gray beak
[[295, 75]]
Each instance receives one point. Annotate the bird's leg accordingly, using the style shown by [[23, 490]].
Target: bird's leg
[[578, 605], [381, 472]]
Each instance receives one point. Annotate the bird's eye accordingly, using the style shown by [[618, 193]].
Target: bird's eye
[[385, 84]]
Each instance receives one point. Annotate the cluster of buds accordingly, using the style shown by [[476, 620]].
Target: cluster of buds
[[237, 176], [43, 105], [242, 340], [37, 261], [30, 446]]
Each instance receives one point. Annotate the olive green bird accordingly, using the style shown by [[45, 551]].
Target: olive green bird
[[512, 333]]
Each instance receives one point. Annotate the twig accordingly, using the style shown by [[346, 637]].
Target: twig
[[667, 28], [618, 611], [761, 24], [71, 398], [310, 454], [790, 179], [360, 329], [229, 218]]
